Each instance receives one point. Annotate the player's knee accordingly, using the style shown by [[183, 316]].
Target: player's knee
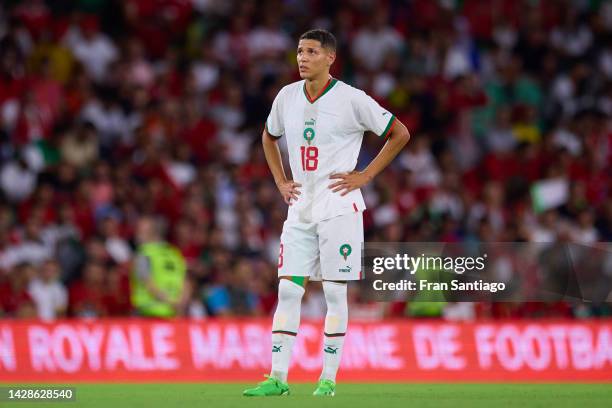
[[335, 295], [289, 291]]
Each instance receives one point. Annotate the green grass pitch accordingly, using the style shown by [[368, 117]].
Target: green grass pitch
[[347, 395]]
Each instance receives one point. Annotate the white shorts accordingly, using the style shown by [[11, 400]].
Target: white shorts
[[329, 249]]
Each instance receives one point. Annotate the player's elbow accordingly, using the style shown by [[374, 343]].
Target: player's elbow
[[401, 134]]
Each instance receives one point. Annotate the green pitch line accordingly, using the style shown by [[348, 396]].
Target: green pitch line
[[347, 395]]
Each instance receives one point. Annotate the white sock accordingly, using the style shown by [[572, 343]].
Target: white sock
[[285, 326], [336, 322]]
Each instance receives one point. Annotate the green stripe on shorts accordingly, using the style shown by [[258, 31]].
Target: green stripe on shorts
[[299, 280]]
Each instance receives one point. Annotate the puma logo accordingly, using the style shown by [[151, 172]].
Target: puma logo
[[331, 350], [276, 349]]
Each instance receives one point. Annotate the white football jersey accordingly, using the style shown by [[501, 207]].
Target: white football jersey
[[324, 136]]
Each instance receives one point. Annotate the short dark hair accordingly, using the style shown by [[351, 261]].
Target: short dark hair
[[326, 38]]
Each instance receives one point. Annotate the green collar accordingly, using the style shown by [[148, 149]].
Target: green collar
[[329, 85]]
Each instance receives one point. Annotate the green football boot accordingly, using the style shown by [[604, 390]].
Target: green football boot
[[325, 388], [268, 388]]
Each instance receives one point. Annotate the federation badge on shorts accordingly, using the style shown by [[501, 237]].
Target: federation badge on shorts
[[345, 250]]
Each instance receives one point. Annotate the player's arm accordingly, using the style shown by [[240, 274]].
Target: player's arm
[[288, 188], [397, 139]]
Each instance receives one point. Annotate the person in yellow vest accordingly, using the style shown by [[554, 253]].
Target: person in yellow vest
[[158, 279]]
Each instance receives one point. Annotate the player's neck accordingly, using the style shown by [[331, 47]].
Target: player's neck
[[315, 85]]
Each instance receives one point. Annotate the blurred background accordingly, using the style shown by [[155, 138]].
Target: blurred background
[[113, 110]]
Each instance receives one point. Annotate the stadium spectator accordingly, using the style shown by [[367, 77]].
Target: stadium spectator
[[48, 292], [91, 48], [18, 181], [79, 146], [15, 301], [237, 296], [375, 41], [158, 283], [86, 295]]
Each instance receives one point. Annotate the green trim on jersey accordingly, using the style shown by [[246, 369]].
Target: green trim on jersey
[[266, 127], [330, 84], [385, 132]]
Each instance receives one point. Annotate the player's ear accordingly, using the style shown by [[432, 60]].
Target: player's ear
[[331, 57]]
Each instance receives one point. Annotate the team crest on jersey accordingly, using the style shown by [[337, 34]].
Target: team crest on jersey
[[345, 250], [309, 134]]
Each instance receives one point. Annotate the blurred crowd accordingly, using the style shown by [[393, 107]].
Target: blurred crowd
[[115, 109]]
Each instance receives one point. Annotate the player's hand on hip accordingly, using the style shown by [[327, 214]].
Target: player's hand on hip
[[348, 182], [289, 190]]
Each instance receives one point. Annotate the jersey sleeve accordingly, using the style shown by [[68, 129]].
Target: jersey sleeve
[[274, 123], [372, 116]]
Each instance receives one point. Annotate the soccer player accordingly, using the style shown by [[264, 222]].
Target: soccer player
[[323, 120]]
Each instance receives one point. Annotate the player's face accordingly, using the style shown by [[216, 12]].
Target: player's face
[[313, 60]]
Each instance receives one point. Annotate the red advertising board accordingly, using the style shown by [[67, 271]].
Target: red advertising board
[[239, 350]]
